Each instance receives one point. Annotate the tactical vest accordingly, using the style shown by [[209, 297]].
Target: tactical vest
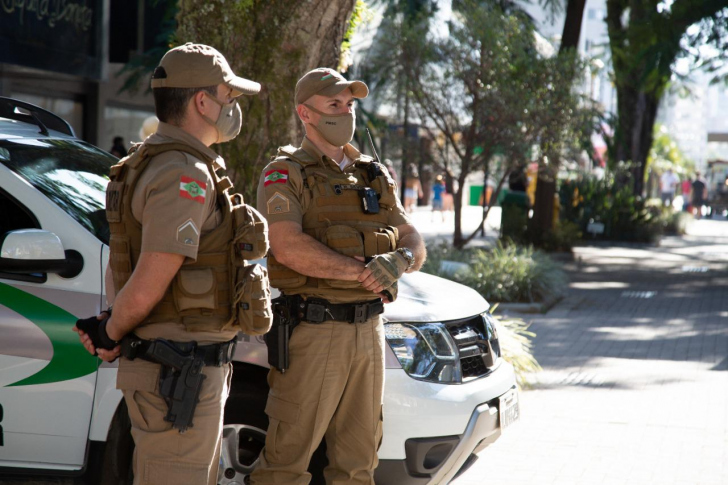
[[218, 291], [336, 217]]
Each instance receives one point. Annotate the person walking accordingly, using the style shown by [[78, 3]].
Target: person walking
[[438, 190], [173, 272], [340, 240], [413, 189], [668, 182], [118, 149], [699, 195]]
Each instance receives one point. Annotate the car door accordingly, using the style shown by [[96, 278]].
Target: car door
[[47, 379]]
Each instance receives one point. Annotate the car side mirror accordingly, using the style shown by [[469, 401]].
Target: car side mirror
[[28, 251]]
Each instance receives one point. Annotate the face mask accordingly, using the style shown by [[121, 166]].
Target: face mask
[[335, 129], [229, 122]]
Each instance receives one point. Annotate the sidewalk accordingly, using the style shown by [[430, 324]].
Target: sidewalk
[[635, 384]]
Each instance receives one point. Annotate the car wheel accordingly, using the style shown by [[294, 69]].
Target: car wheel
[[111, 463], [245, 429]]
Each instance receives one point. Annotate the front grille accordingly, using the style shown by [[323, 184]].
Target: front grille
[[478, 353]]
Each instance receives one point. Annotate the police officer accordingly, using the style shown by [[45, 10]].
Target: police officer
[[171, 233], [340, 240]]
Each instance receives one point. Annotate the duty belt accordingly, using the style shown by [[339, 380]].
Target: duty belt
[[213, 355], [318, 310]]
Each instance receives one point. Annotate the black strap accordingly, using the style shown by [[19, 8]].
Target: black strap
[[214, 355], [318, 310]]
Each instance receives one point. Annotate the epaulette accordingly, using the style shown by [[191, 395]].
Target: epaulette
[[294, 154]]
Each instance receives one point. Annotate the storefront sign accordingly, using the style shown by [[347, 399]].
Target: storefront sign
[[53, 35]]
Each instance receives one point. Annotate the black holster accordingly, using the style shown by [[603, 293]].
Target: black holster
[[285, 319], [180, 379]]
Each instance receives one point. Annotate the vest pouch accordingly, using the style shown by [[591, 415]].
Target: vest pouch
[[250, 240], [344, 240], [380, 241], [385, 189], [252, 309], [120, 260], [283, 277], [194, 290]]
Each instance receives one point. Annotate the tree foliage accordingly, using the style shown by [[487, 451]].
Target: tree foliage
[[646, 37], [488, 91]]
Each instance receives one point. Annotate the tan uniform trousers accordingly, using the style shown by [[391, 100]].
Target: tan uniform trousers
[[333, 389], [163, 455]]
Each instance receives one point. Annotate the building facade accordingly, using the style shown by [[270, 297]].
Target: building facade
[[66, 56]]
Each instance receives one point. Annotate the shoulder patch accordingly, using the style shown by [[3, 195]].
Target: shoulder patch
[[275, 176], [278, 204], [188, 234], [192, 189]]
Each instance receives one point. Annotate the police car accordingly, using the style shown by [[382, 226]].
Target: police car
[[448, 394]]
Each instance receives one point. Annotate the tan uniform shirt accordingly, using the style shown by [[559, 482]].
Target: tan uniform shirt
[[286, 198], [175, 201]]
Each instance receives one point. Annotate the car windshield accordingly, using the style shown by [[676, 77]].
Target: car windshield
[[72, 173]]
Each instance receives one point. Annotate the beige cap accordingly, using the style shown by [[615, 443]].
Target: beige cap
[[197, 66], [326, 82]]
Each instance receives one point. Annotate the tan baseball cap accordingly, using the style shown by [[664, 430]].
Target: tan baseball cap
[[197, 66], [326, 82]]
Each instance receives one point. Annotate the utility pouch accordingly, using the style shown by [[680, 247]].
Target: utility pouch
[[369, 200], [385, 187], [382, 240], [194, 289], [348, 241], [285, 319], [250, 239], [252, 305]]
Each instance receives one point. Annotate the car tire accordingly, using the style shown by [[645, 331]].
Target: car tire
[[111, 463], [246, 406]]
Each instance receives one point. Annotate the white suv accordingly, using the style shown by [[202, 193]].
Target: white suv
[[448, 394]]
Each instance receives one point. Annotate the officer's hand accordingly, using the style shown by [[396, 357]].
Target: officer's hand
[[382, 271], [92, 332], [390, 294], [109, 355]]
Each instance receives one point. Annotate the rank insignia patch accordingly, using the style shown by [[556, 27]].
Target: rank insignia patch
[[275, 177], [278, 204], [192, 189]]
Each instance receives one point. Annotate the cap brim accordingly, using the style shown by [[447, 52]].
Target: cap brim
[[358, 89], [241, 85]]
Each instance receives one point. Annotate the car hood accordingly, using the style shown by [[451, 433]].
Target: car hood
[[427, 298]]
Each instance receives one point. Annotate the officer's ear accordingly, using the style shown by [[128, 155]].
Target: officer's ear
[[303, 113], [201, 103]]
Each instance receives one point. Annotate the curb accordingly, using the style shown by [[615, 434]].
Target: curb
[[530, 308]]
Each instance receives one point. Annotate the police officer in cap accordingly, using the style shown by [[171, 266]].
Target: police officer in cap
[[340, 240], [171, 232]]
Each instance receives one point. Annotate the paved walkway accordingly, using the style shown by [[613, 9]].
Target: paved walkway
[[635, 382]]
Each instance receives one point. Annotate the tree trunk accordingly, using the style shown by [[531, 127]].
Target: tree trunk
[[458, 240], [543, 207], [273, 42]]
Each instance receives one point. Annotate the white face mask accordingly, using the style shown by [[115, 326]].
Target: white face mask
[[229, 122], [335, 129]]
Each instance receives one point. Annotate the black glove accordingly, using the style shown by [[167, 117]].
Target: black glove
[[96, 330]]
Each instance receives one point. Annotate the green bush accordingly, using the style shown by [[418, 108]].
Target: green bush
[[625, 216], [505, 273]]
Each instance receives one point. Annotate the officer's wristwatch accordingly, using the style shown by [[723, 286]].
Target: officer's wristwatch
[[408, 256]]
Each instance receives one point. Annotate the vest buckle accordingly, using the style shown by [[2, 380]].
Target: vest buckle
[[338, 190]]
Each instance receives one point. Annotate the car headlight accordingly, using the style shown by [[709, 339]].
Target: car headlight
[[425, 351]]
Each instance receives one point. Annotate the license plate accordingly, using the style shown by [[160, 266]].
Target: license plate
[[510, 411]]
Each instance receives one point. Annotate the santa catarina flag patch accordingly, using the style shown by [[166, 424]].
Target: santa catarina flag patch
[[275, 177], [192, 189]]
